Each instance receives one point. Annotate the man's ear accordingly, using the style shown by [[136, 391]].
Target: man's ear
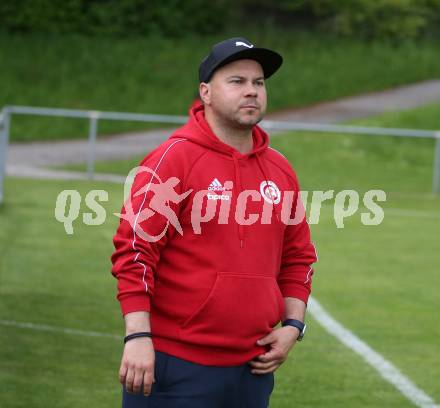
[[205, 92]]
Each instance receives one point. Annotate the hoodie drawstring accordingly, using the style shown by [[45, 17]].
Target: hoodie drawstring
[[238, 188], [260, 165]]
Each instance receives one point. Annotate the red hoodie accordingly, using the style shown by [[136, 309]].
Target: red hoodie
[[214, 281]]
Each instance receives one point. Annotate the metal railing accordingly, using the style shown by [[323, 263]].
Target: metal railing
[[95, 116], [4, 140]]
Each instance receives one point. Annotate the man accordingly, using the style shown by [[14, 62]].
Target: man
[[201, 295]]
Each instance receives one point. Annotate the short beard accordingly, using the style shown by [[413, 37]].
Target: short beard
[[233, 120], [249, 125]]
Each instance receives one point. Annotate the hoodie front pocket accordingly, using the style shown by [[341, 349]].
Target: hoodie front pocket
[[239, 310]]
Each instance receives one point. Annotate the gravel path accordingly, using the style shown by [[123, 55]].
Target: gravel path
[[32, 159]]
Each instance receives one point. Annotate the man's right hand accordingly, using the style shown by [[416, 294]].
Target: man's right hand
[[137, 365]]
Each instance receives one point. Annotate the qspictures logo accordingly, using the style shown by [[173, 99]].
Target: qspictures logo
[[157, 197]]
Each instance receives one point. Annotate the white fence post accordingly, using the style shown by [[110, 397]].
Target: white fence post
[[436, 172], [5, 120], [91, 153]]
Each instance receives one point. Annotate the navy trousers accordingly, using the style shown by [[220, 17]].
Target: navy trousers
[[182, 384]]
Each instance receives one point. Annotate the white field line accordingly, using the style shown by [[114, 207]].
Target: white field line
[[64, 330], [385, 368]]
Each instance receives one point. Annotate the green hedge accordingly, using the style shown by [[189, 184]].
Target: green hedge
[[121, 17], [395, 19], [367, 19]]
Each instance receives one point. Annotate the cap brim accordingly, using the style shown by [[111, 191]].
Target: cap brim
[[269, 60]]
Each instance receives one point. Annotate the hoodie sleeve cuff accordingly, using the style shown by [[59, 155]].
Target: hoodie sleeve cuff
[[136, 303], [295, 291]]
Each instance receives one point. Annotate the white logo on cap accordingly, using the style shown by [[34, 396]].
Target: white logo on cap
[[238, 43]]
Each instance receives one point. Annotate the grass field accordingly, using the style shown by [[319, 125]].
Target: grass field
[[381, 282], [157, 75]]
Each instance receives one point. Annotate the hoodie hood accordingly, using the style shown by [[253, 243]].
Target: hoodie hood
[[198, 131]]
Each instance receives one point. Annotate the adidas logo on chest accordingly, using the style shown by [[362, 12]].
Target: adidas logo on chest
[[216, 186]]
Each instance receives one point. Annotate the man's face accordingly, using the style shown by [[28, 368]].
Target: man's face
[[237, 93]]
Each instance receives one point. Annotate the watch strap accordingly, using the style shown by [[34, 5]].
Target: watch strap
[[297, 324]]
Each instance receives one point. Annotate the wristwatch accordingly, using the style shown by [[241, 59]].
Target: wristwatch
[[298, 324]]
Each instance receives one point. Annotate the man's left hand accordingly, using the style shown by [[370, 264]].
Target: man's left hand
[[280, 340]]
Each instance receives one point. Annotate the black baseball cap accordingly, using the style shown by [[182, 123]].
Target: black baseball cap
[[235, 49]]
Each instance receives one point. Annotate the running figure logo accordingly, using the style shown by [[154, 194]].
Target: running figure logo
[[163, 194]]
